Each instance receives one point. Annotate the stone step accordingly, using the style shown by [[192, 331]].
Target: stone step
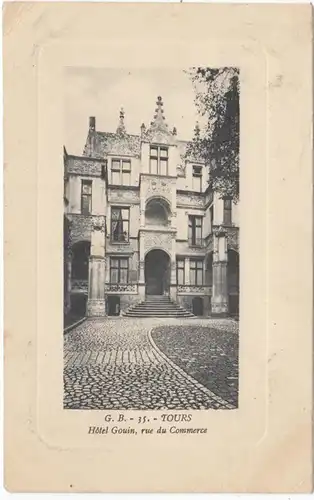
[[157, 306], [158, 315], [145, 306]]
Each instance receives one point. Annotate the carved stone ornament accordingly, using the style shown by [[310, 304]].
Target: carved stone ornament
[[81, 226], [84, 166], [157, 240], [233, 239], [98, 223], [79, 285], [193, 289], [181, 170], [219, 231], [121, 288]]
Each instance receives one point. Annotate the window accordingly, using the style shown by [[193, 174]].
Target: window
[[119, 270], [180, 272], [196, 272], [195, 230], [211, 213], [120, 224], [86, 197], [227, 211], [120, 172], [158, 160], [197, 179]]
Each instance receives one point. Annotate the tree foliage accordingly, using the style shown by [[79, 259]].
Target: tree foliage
[[217, 100]]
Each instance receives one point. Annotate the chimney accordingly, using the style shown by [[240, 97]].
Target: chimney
[[92, 123]]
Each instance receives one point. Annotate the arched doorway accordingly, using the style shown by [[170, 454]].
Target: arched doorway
[[197, 306], [157, 272], [233, 282]]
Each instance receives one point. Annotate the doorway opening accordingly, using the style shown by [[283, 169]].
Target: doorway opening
[[113, 305], [157, 272], [197, 306]]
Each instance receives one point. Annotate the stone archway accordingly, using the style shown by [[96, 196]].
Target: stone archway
[[157, 212], [157, 273]]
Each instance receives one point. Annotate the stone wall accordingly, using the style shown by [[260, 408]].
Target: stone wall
[[186, 301]]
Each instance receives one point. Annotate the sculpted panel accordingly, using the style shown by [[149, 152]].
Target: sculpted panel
[[157, 240], [84, 166]]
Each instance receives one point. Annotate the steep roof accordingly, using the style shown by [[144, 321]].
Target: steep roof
[[115, 144], [101, 144]]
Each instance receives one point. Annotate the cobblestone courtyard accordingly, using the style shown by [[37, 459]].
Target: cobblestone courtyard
[[115, 364]]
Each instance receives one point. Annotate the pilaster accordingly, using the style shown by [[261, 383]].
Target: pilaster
[[219, 302], [187, 271], [96, 305], [173, 280], [141, 282]]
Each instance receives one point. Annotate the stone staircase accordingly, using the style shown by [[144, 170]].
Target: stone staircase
[[157, 306]]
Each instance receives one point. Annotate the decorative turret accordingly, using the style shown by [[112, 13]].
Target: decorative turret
[[143, 129], [159, 119], [158, 130], [121, 127], [92, 123]]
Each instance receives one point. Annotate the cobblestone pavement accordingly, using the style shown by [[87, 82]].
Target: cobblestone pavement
[[112, 364]]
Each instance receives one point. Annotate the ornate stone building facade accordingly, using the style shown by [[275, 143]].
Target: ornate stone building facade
[[141, 220]]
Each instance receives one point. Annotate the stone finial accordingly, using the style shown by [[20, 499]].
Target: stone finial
[[174, 131], [121, 127], [159, 117], [92, 123], [143, 129]]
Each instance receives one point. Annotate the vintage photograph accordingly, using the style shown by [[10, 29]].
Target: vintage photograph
[[151, 239]]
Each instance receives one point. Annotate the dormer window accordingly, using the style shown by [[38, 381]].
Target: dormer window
[[197, 179], [120, 172], [158, 160]]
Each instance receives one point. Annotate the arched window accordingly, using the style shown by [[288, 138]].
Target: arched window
[[156, 213]]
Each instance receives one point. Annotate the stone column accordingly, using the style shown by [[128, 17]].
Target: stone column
[[173, 280], [96, 305], [219, 301], [141, 281], [173, 268], [141, 267]]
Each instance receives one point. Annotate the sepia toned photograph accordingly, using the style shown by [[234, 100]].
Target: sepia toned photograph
[[151, 239], [146, 163]]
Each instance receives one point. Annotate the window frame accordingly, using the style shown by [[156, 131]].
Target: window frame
[[211, 215], [118, 207], [180, 260], [198, 242], [197, 176], [158, 158], [194, 268], [120, 170], [118, 268], [88, 196], [227, 211]]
